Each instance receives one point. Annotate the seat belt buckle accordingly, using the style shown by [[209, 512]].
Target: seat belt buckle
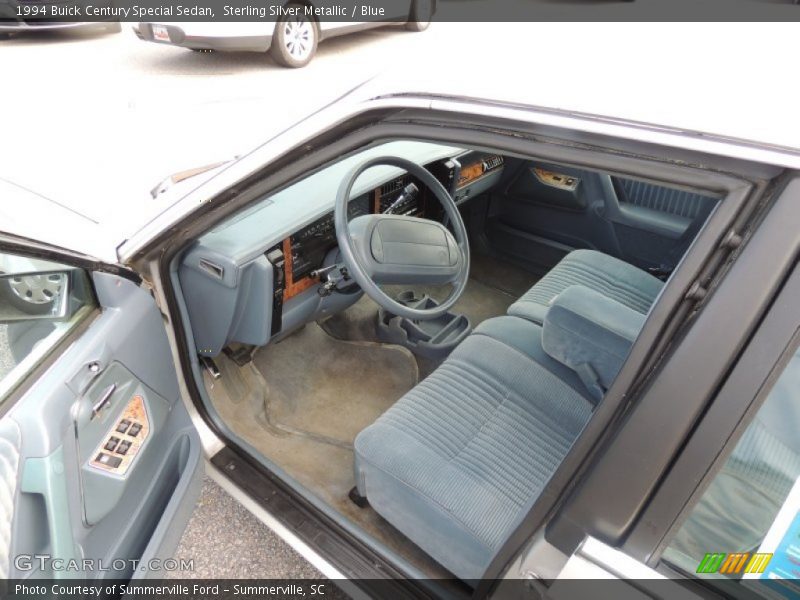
[[662, 272]]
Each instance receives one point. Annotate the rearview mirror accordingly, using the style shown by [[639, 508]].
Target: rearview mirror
[[37, 295]]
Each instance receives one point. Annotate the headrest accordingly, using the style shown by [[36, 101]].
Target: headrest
[[591, 334]]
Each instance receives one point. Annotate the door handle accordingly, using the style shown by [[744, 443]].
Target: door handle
[[103, 401]]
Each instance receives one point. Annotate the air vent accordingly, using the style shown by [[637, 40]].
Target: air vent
[[492, 162], [209, 267]]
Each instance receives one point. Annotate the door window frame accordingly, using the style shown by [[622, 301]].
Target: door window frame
[[740, 397]]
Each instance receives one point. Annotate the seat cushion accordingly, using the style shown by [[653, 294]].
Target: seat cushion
[[528, 338], [616, 279], [456, 462]]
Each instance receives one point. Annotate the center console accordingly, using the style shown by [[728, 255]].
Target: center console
[[433, 338]]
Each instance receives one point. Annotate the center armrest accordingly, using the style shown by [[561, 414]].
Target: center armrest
[[591, 334]]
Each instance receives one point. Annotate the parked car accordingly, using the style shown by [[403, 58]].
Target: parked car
[[516, 344], [291, 38]]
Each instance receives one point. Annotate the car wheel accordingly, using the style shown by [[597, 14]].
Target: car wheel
[[33, 294], [295, 40], [420, 17]]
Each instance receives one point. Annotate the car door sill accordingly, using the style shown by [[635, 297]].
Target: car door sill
[[329, 548]]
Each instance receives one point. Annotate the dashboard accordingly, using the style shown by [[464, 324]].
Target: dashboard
[[305, 250], [241, 287]]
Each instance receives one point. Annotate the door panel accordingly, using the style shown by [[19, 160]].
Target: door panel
[[563, 188], [546, 210], [115, 407], [9, 471], [680, 203], [654, 223], [69, 505]]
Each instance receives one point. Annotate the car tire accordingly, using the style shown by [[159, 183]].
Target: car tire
[[420, 17], [295, 40], [13, 292]]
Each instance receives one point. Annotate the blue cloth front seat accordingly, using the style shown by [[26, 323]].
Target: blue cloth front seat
[[455, 463], [630, 286]]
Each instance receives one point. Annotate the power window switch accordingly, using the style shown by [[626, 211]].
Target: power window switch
[[123, 426], [108, 460], [123, 447], [111, 444], [134, 430]]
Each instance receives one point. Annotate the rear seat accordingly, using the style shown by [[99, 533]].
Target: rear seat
[[611, 277]]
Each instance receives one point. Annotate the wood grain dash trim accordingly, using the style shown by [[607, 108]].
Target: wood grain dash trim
[[294, 287], [376, 201]]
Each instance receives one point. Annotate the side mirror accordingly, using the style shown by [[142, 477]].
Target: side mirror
[[38, 295]]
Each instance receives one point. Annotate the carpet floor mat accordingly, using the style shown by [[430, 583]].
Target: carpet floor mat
[[329, 389], [319, 454], [501, 275]]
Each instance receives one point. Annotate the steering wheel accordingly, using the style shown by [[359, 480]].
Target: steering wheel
[[395, 249]]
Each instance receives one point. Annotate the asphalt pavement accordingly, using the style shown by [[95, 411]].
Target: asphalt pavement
[[7, 361], [225, 541]]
